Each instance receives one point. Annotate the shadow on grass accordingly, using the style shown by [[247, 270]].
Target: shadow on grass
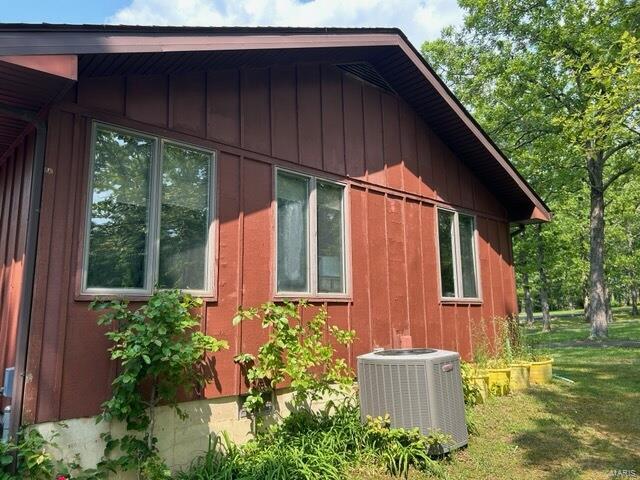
[[594, 424]]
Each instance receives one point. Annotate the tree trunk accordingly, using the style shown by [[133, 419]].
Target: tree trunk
[[608, 306], [528, 303], [634, 301], [544, 297], [597, 287], [587, 318]]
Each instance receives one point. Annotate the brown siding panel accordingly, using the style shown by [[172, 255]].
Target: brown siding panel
[[373, 146], [256, 121], [15, 180], [283, 115], [339, 316], [187, 103], [361, 310], [425, 163], [414, 276], [147, 99], [353, 127], [223, 106], [466, 187], [408, 147], [378, 270], [257, 247], [439, 166], [103, 93], [398, 316], [332, 126], [391, 141], [310, 116], [452, 176], [218, 317], [497, 285], [431, 280]]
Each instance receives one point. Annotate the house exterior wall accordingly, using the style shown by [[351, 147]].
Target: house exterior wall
[[15, 196], [308, 117]]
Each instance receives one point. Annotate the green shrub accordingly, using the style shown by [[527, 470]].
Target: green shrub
[[511, 344], [221, 461], [326, 444], [470, 389], [402, 449], [296, 351], [35, 459], [470, 419], [159, 349]]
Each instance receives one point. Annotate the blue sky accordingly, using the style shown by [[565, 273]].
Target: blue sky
[[419, 19], [59, 11]]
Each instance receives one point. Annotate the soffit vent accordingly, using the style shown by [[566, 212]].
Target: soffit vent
[[367, 73]]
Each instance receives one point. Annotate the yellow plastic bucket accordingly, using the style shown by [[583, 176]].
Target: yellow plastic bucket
[[519, 379], [541, 372], [499, 380], [481, 380]]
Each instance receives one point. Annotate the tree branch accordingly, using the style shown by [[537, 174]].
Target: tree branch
[[521, 142], [629, 127], [619, 147], [616, 176]]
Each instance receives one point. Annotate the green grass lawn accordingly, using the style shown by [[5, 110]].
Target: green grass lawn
[[564, 431], [587, 429]]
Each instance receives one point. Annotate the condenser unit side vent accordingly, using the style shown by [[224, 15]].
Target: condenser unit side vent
[[451, 399]]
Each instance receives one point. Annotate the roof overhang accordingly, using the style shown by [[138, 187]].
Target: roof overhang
[[120, 50], [28, 85]]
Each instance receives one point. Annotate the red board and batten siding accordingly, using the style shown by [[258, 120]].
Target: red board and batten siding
[[15, 195], [309, 117]]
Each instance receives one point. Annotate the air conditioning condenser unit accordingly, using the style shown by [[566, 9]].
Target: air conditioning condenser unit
[[419, 388]]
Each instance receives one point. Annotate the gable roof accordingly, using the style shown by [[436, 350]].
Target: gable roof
[[117, 50]]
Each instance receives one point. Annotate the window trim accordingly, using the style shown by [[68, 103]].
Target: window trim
[[153, 236], [312, 241], [457, 261]]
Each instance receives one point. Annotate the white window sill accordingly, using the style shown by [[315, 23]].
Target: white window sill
[[135, 296], [319, 298], [461, 301]]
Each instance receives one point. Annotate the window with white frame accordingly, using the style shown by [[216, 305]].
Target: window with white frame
[[457, 246], [310, 240], [149, 214]]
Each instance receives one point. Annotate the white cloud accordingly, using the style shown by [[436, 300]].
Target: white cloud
[[419, 19]]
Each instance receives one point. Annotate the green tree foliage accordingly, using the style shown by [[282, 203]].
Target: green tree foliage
[[161, 353], [623, 231], [557, 84]]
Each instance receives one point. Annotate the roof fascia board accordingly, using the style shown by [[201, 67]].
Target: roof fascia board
[[58, 43]]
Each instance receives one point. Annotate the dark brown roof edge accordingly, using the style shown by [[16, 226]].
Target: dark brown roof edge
[[404, 44], [222, 30]]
